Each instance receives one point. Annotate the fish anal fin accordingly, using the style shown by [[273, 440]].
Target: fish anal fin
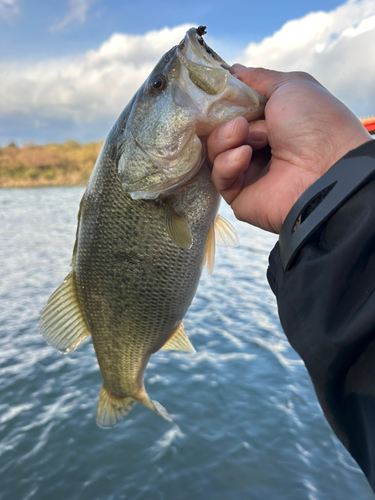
[[209, 257], [112, 409], [155, 406], [161, 411], [61, 321], [225, 234], [179, 341], [177, 227]]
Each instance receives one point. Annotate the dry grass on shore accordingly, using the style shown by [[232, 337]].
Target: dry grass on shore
[[68, 164]]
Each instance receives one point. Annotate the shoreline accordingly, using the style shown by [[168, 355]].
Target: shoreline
[[50, 165], [10, 184]]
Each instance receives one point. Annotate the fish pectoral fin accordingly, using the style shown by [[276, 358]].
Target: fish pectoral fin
[[155, 406], [111, 409], [225, 234], [209, 257], [61, 321], [177, 227], [179, 341]]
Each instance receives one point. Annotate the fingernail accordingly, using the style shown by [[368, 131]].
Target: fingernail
[[256, 136], [234, 155], [226, 130], [238, 65]]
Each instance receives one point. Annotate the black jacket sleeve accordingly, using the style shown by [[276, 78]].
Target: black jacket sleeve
[[326, 303]]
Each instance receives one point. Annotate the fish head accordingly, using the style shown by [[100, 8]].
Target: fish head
[[188, 94]]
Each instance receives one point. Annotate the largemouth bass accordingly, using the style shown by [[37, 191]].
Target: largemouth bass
[[147, 224]]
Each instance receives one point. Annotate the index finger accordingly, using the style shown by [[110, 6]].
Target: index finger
[[228, 136]]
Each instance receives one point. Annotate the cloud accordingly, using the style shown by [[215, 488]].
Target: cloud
[[336, 47], [89, 91], [8, 9], [94, 86], [77, 12]]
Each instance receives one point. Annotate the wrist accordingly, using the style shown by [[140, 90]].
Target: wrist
[[324, 197], [354, 138], [358, 136]]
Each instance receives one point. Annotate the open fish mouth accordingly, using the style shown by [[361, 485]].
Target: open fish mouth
[[199, 34], [210, 73], [195, 37], [204, 66]]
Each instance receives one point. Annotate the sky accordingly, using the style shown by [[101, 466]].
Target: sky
[[69, 67]]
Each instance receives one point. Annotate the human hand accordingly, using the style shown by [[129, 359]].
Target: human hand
[[262, 168]]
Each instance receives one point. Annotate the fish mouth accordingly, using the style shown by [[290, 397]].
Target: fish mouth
[[194, 47], [199, 36], [204, 66], [210, 87]]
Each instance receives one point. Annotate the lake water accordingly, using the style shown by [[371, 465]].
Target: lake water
[[247, 424]]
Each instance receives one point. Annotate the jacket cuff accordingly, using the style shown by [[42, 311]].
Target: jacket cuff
[[323, 198]]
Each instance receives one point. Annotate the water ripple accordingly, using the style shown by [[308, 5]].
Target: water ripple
[[246, 420]]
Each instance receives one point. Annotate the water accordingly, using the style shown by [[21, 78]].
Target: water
[[246, 421]]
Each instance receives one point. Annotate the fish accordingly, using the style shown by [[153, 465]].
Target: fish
[[147, 224]]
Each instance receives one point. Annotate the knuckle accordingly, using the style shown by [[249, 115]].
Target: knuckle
[[301, 75]]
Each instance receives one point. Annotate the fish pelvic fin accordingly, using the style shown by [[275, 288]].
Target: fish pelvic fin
[[179, 341], [145, 399], [61, 321], [112, 409]]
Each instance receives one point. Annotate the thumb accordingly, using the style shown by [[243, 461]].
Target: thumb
[[267, 81]]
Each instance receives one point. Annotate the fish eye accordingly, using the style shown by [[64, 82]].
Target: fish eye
[[157, 83]]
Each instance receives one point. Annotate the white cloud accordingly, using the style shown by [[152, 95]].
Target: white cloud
[[77, 12], [8, 9], [336, 47], [91, 87], [91, 90]]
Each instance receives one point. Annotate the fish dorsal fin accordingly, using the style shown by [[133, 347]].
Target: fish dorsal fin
[[179, 341], [225, 234], [61, 321], [209, 257], [177, 227]]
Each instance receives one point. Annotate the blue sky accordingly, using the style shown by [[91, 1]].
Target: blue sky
[[29, 32], [65, 74]]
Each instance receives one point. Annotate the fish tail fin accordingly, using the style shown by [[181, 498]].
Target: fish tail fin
[[112, 409], [145, 399]]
